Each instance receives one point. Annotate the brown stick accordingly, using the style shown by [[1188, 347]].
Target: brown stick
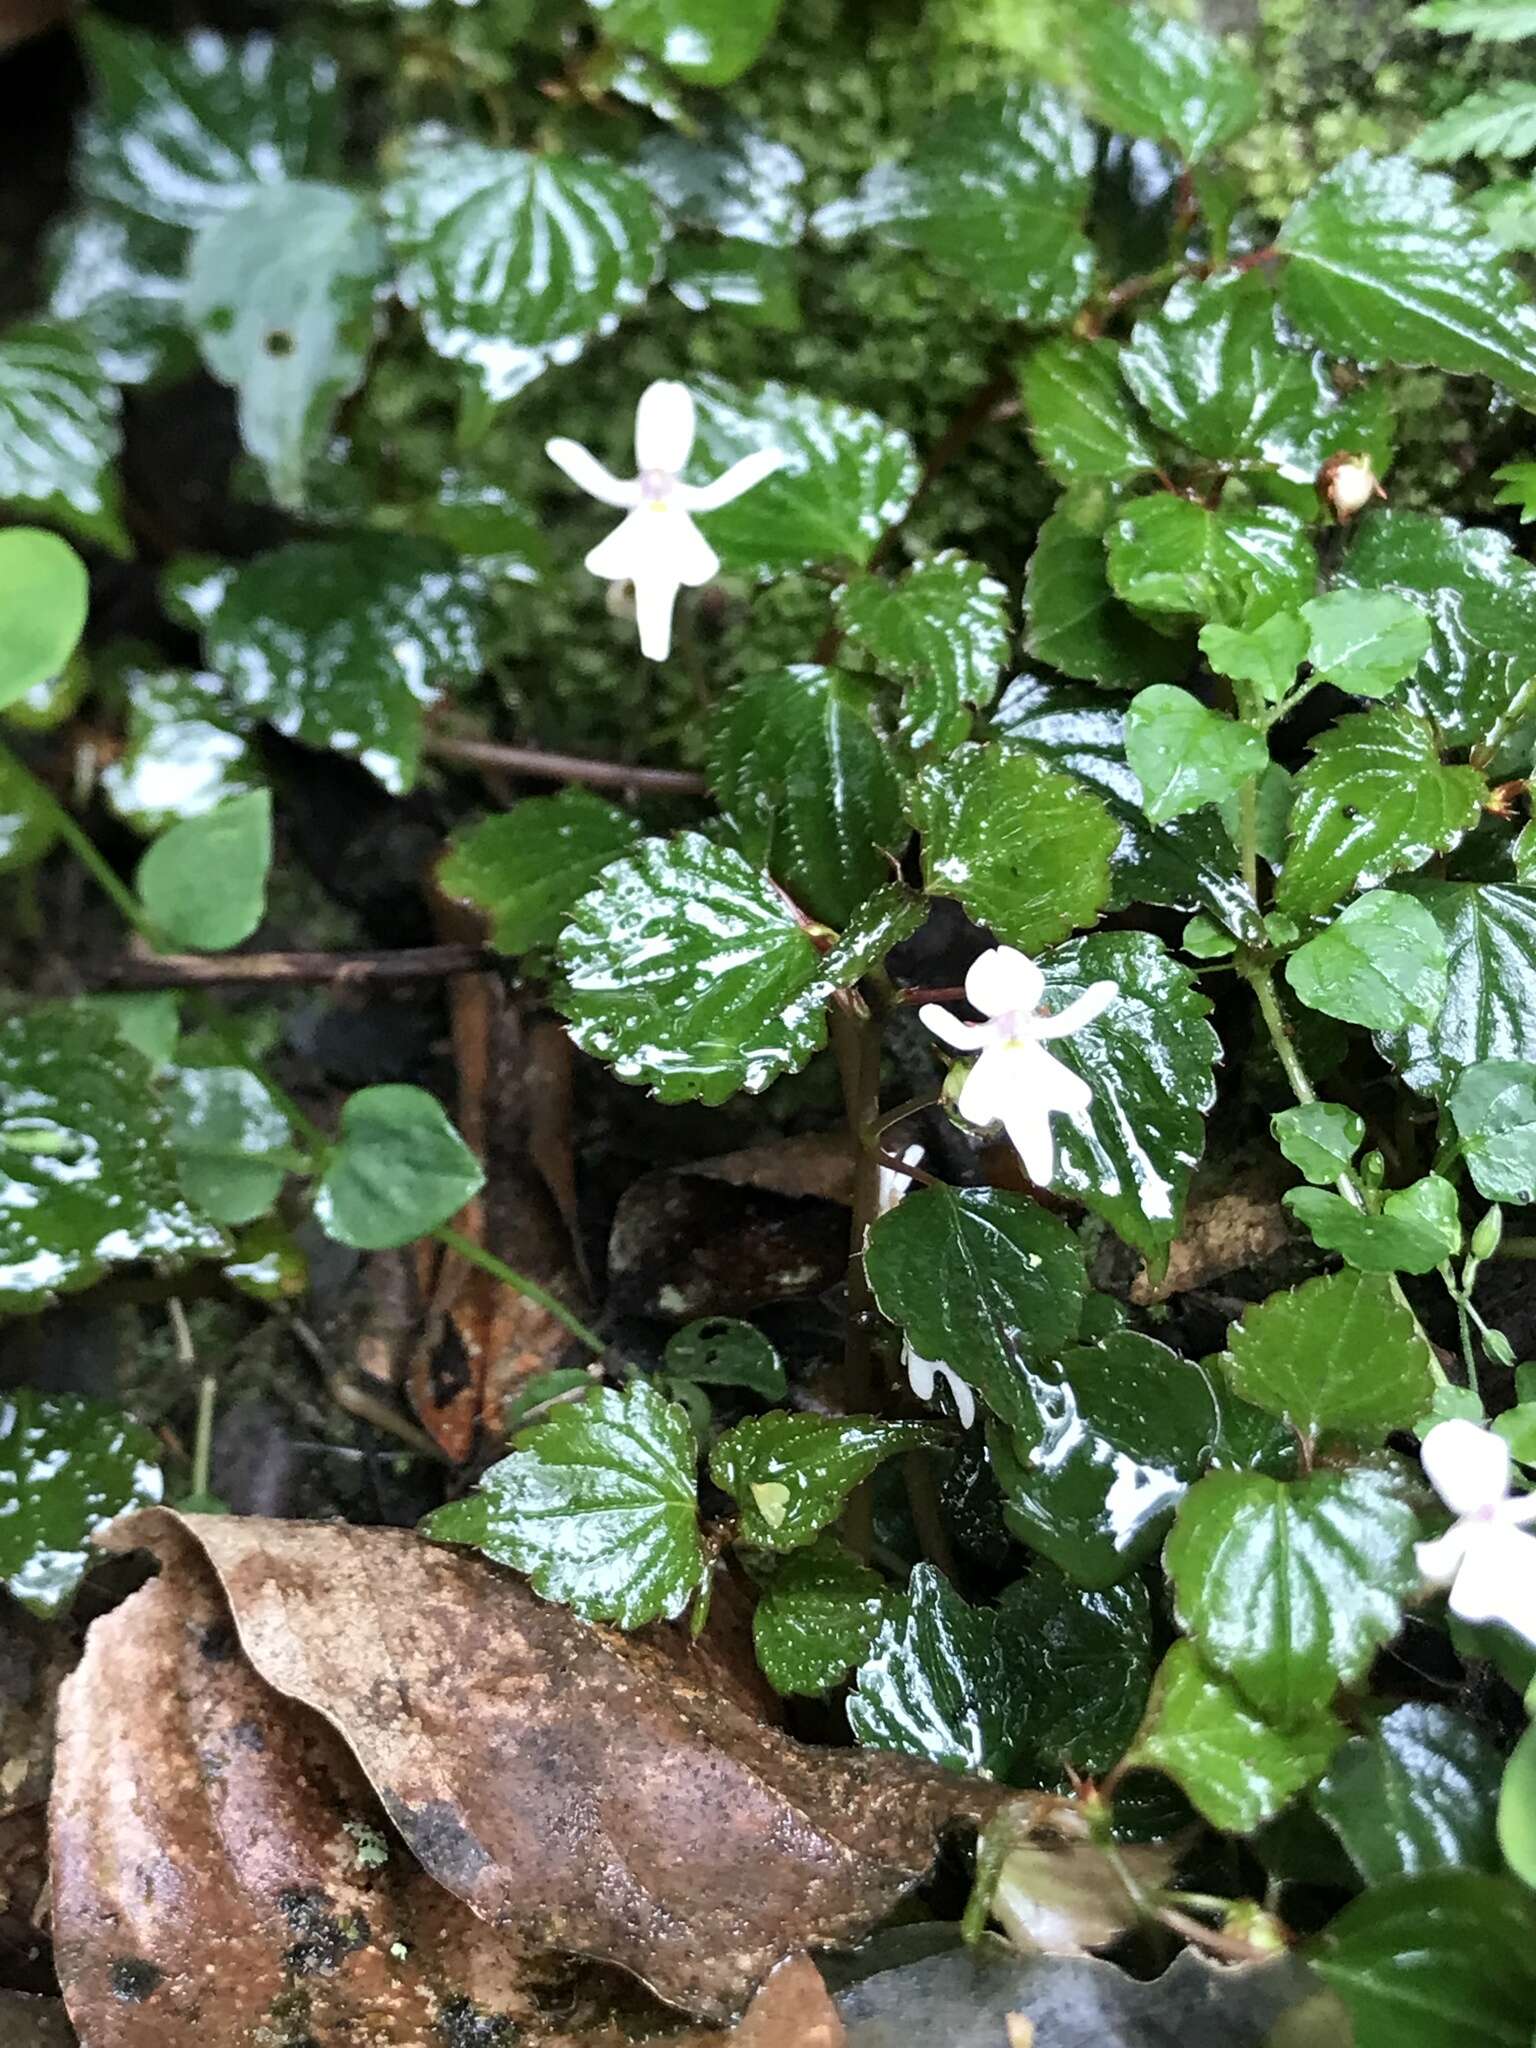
[[343, 970], [564, 767]]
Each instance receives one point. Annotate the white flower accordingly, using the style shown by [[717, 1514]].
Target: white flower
[[658, 548], [1016, 1082], [922, 1373], [1486, 1557]]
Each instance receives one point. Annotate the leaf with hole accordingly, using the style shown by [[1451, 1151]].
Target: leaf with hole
[[723, 1351]]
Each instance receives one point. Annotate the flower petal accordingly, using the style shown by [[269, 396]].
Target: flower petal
[[1440, 1561], [1056, 1087], [1468, 1467], [732, 482], [1497, 1582], [694, 561], [664, 426], [1093, 1002], [923, 1373], [629, 551], [891, 1184], [988, 1091], [1004, 979], [954, 1031], [655, 596], [589, 475]]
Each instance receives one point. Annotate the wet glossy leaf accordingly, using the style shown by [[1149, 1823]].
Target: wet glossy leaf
[[1374, 800], [66, 1466], [1148, 1059], [807, 783], [1381, 963], [1290, 1587], [185, 752], [1444, 1960], [59, 434], [708, 42], [598, 1505], [1025, 850], [687, 970], [526, 868], [1078, 625], [341, 643], [1081, 417], [1236, 1768], [231, 1140], [1489, 1011], [203, 883], [759, 286], [982, 1281], [1416, 1792], [1418, 1228], [1170, 554], [1338, 1353], [398, 1170], [943, 631], [1493, 1105], [1188, 863], [1366, 641], [280, 294], [816, 1617], [845, 478], [115, 279], [1185, 755], [1119, 1430], [515, 261], [1089, 1666], [996, 192], [1267, 655], [479, 516], [1169, 80], [44, 594], [1386, 266], [791, 1474], [87, 1175], [729, 179], [723, 1351], [1319, 1138]]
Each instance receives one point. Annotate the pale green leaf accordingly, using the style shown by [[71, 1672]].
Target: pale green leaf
[[398, 1170], [1185, 755], [44, 595], [1171, 554], [1078, 625], [1499, 121], [1489, 1011], [1319, 1138], [1493, 1106], [203, 883], [1381, 963], [1365, 641]]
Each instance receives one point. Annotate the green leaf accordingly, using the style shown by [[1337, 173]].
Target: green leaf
[[722, 1351], [399, 1170], [1148, 1059], [1373, 801], [1493, 1106], [1445, 1960], [1081, 418], [1518, 482], [1319, 1138], [475, 514], [115, 279], [232, 1141], [1339, 1353], [66, 1466], [515, 261], [1089, 1665], [1507, 210], [1418, 1228], [204, 883], [598, 1505], [708, 42], [1186, 863], [984, 1282], [759, 286], [1290, 1587], [1119, 1430], [687, 970], [845, 478], [995, 193], [59, 434], [1366, 641], [1164, 79], [1381, 963], [87, 1174], [807, 783], [44, 596], [28, 823], [1517, 1809], [1185, 755], [185, 753], [1026, 851], [728, 180], [1267, 655], [528, 867], [1170, 554], [1417, 1792], [1499, 121], [1486, 21], [1076, 623], [280, 294], [790, 1475], [341, 643], [1489, 1011], [1233, 1766], [1385, 265], [944, 630], [816, 1617]]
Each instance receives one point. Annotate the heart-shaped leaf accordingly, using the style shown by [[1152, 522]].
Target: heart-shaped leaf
[[204, 883], [399, 1169], [1339, 1353], [1418, 1791], [1381, 963], [790, 1474], [44, 595], [943, 628], [1185, 755]]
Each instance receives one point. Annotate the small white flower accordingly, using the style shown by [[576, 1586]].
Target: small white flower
[[1486, 1557], [1016, 1082], [658, 548], [922, 1373]]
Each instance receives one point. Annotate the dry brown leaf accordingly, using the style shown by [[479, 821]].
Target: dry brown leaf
[[587, 1791], [794, 2009], [1238, 1226]]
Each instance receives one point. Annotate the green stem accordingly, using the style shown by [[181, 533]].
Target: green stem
[[1468, 1347], [207, 1398], [1248, 814], [1260, 979], [476, 1255]]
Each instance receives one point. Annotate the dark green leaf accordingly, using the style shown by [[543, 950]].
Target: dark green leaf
[[791, 1474], [1025, 850], [758, 285], [399, 1170], [1319, 1138], [1081, 418], [1149, 75], [1490, 1008], [1493, 1105], [984, 1282], [995, 193], [478, 516], [185, 752], [1171, 554], [1386, 266], [59, 434], [66, 1466], [1418, 1229], [1339, 1353], [1418, 1792], [116, 280], [1445, 1960], [1366, 641], [1267, 655], [203, 884], [1381, 963], [708, 42], [722, 1351], [1077, 624], [231, 1141], [1290, 1587], [44, 595], [515, 261], [1185, 755], [816, 1617], [527, 868], [1374, 800], [944, 630], [730, 180], [598, 1505], [1087, 1672]]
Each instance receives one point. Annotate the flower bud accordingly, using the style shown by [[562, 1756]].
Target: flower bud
[[1485, 1239], [1348, 483]]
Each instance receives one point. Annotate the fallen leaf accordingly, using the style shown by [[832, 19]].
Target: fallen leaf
[[794, 2009], [1240, 1226]]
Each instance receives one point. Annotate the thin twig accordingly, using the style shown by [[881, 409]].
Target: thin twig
[[564, 767], [343, 970]]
